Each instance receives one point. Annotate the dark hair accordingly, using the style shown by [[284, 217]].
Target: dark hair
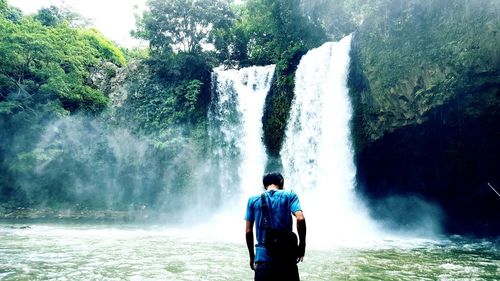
[[273, 178]]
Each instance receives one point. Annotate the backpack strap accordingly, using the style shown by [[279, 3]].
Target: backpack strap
[[265, 211]]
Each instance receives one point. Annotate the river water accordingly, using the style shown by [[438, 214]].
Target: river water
[[133, 252]]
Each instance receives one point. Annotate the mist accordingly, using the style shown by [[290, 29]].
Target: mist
[[408, 216], [83, 163]]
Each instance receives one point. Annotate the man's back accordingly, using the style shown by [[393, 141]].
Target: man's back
[[281, 204]]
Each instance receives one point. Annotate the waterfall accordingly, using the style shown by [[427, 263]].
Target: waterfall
[[317, 155], [235, 129]]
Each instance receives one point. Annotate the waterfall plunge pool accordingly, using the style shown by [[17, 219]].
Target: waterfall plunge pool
[[131, 252]]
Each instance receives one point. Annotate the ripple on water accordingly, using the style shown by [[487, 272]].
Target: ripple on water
[[100, 253]]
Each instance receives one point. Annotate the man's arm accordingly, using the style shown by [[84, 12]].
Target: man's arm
[[249, 239], [301, 230]]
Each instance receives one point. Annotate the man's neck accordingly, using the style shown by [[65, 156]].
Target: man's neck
[[272, 187]]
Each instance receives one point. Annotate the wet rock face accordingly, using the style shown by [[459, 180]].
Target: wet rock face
[[448, 160], [418, 59], [426, 96]]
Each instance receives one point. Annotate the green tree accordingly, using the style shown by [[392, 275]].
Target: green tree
[[50, 16], [231, 44], [181, 35], [182, 25], [105, 49], [10, 13], [53, 15], [45, 74], [44, 63], [275, 26], [3, 6], [338, 18]]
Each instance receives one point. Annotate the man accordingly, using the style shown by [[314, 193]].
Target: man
[[281, 205]]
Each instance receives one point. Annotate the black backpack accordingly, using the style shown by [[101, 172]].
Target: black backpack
[[281, 245]]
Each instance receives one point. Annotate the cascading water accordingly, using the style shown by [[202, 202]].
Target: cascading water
[[235, 130], [317, 155]]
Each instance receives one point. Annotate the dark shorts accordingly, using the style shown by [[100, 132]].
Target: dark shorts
[[270, 271]]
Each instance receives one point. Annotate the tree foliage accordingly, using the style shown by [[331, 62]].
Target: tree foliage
[[45, 74], [176, 75], [44, 63], [50, 16], [182, 25], [273, 27]]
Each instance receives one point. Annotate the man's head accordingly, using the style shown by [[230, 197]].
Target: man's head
[[273, 178]]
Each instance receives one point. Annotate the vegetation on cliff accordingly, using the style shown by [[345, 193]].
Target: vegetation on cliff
[[45, 74], [417, 55]]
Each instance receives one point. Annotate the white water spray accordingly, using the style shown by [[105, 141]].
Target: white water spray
[[238, 154], [235, 119], [317, 155]]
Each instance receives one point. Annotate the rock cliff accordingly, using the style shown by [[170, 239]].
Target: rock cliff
[[425, 84]]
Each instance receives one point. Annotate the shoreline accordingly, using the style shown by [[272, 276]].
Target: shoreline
[[24, 215]]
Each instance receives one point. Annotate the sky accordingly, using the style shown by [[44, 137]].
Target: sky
[[114, 18]]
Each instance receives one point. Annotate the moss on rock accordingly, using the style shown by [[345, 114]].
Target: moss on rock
[[419, 58], [278, 102]]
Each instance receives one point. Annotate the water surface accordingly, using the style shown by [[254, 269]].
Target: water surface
[[128, 252]]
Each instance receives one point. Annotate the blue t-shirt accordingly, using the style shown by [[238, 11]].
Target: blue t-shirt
[[281, 204]]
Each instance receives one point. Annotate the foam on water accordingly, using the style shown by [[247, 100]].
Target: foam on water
[[128, 252]]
